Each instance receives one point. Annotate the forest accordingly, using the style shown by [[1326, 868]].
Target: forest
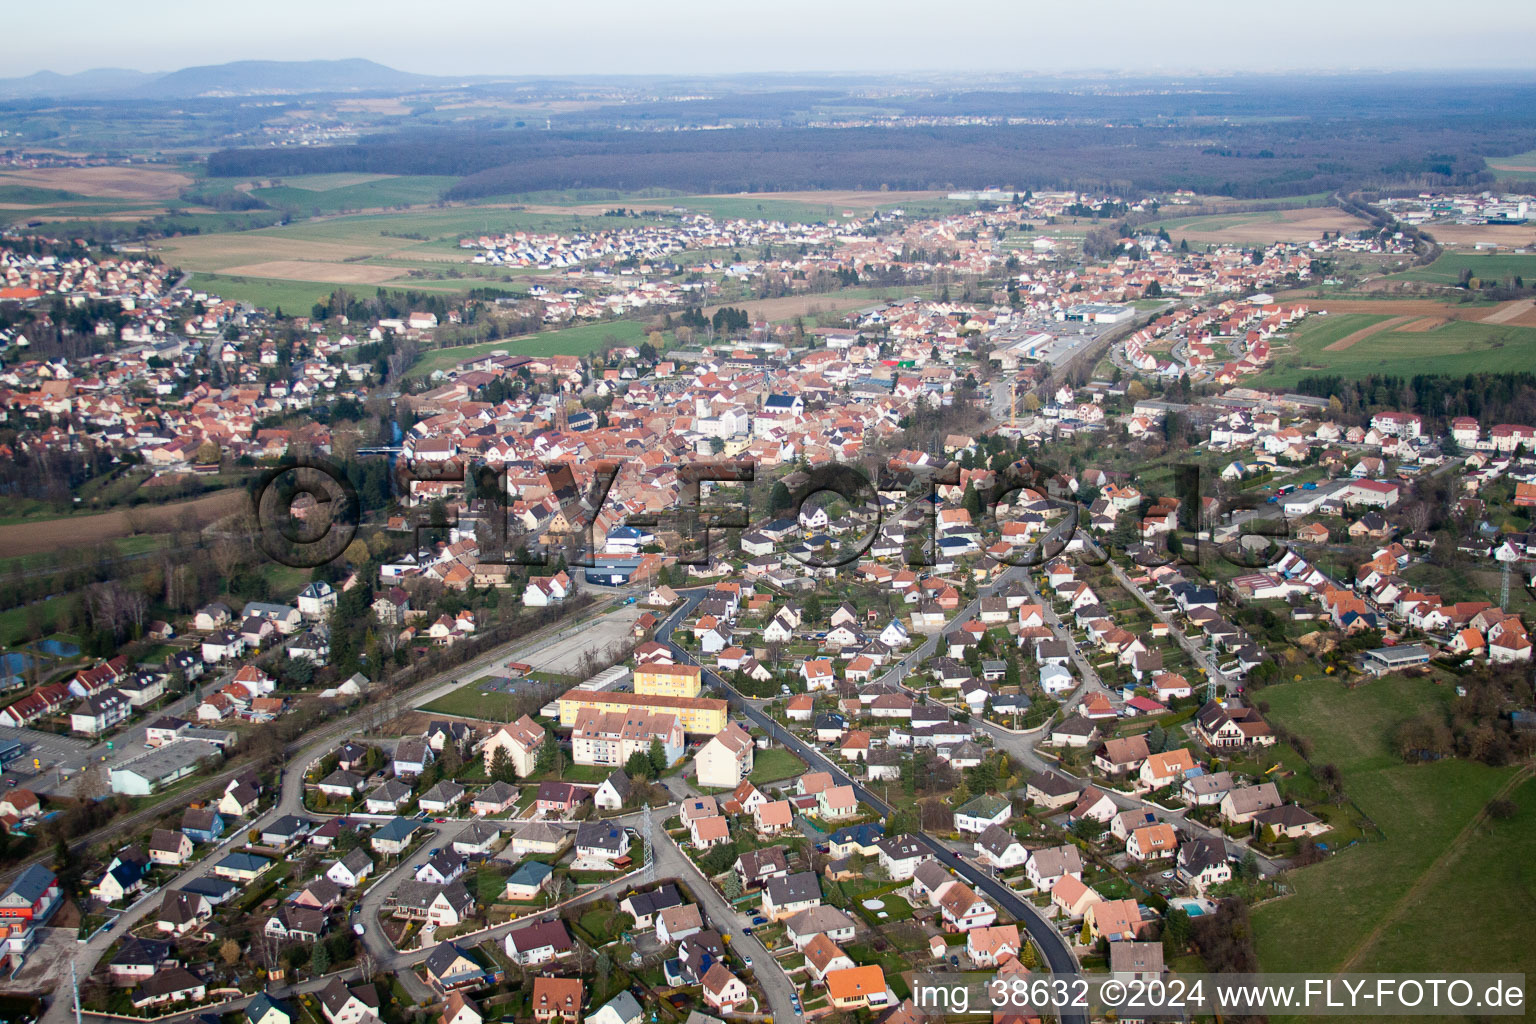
[[1252, 161], [1491, 398]]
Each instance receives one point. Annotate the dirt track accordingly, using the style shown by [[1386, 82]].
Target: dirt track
[[89, 530], [1365, 332]]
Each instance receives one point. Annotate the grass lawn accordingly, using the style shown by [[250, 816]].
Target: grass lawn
[[1407, 885], [489, 883], [570, 341], [895, 909], [469, 701], [775, 764], [1460, 346], [14, 626]]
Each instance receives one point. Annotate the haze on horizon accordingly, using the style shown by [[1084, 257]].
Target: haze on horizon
[[690, 37]]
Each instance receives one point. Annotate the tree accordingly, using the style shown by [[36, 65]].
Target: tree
[[1028, 957], [1175, 932], [357, 552], [731, 886], [549, 753], [1248, 867], [229, 952], [971, 502], [501, 767], [1087, 829], [319, 960], [658, 759], [1157, 739], [638, 766], [779, 498]]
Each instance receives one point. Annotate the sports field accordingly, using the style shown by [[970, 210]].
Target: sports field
[[1413, 345]]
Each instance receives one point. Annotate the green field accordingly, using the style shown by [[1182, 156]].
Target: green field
[[329, 193], [569, 341], [294, 298], [1488, 266], [1407, 885], [469, 701], [1513, 166], [1457, 347], [775, 764]]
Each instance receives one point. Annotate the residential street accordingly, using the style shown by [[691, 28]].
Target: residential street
[[1058, 955]]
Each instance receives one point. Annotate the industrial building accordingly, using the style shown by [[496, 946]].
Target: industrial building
[[161, 767]]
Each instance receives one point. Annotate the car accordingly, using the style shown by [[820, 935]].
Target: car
[[759, 920], [748, 961], [747, 931], [434, 851], [440, 821], [358, 929], [10, 782], [1167, 874]]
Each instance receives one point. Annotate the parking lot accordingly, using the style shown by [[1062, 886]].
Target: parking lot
[[565, 656], [51, 749]]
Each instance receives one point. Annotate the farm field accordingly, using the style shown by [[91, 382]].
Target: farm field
[[1510, 236], [126, 183], [1298, 225], [569, 341], [1408, 348], [1488, 266], [316, 194], [1367, 906], [398, 250], [1520, 165], [805, 206], [292, 297], [102, 528], [790, 306]]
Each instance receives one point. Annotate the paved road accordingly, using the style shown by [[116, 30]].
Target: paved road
[[291, 795], [1058, 955]]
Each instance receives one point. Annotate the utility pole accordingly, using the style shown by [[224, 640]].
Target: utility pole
[[648, 874]]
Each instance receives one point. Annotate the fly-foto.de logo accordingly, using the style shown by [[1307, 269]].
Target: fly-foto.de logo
[[307, 511]]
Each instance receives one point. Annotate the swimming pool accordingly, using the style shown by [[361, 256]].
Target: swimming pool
[[58, 648]]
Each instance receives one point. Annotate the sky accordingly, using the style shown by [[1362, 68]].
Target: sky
[[573, 37]]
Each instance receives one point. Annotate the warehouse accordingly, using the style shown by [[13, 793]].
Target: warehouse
[[612, 572], [1098, 313], [160, 767], [1395, 659]]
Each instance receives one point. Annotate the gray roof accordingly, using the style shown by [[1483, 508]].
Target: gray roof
[[795, 888], [31, 883]]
